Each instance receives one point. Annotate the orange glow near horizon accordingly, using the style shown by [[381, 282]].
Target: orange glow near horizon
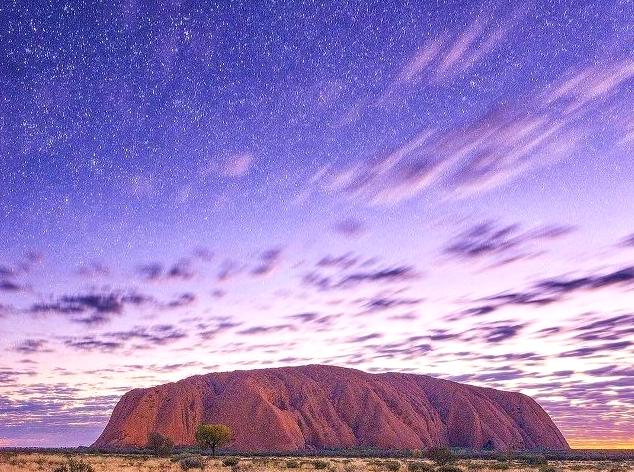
[[601, 444]]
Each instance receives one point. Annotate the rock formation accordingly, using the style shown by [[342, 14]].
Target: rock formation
[[317, 406]]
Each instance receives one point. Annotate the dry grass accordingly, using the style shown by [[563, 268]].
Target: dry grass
[[110, 463]]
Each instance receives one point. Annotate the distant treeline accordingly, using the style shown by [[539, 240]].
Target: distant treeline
[[359, 452]]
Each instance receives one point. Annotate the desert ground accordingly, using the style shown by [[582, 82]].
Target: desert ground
[[56, 462]]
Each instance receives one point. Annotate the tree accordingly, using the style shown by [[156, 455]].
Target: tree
[[161, 445], [213, 435]]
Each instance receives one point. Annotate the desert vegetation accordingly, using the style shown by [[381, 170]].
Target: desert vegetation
[[93, 462], [213, 436]]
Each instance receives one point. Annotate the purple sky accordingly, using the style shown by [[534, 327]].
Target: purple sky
[[434, 187]]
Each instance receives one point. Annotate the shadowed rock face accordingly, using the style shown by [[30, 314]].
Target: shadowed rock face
[[315, 407]]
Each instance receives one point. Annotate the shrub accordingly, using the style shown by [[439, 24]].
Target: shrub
[[230, 461], [191, 463], [320, 464], [535, 460], [180, 456], [419, 466], [73, 465], [448, 468], [547, 468], [440, 455], [500, 466], [292, 464], [392, 466], [161, 445], [476, 466]]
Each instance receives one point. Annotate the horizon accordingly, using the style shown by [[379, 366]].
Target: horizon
[[443, 188]]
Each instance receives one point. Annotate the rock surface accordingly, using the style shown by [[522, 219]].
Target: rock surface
[[316, 407]]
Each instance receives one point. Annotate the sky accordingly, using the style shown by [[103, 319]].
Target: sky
[[434, 187]]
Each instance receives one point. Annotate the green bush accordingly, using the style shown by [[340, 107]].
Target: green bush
[[320, 464], [292, 464], [419, 466], [440, 455], [191, 463], [230, 461]]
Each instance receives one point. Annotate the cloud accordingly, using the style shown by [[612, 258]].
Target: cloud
[[408, 349], [269, 261], [499, 332], [349, 280], [144, 337], [7, 285], [203, 254], [462, 159], [93, 270], [222, 324], [90, 308], [184, 299], [392, 274], [492, 239], [599, 350], [628, 241], [157, 335], [32, 346], [92, 344], [613, 328], [181, 270], [548, 291], [350, 227], [228, 270], [9, 376], [258, 330], [561, 285], [317, 321], [237, 165], [345, 261], [6, 271], [10, 273], [386, 303], [364, 338], [447, 57]]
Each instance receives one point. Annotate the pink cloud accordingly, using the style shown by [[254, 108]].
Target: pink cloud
[[237, 165]]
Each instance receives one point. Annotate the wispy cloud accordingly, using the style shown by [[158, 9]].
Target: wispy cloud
[[269, 260], [142, 337], [181, 270], [507, 242], [353, 279], [485, 152], [350, 227], [237, 165], [32, 346], [450, 55]]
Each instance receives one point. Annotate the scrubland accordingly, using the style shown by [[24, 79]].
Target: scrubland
[[51, 462]]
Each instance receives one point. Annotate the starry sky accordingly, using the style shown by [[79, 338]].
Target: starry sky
[[438, 187]]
